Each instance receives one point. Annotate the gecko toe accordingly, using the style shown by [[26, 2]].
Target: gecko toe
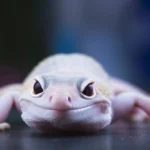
[[4, 126]]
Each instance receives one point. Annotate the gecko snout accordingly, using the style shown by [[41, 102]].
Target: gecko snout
[[60, 101]]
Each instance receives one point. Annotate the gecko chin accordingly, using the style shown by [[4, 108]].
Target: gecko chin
[[88, 119]]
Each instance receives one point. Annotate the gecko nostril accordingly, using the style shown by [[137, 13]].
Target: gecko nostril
[[51, 97], [69, 99]]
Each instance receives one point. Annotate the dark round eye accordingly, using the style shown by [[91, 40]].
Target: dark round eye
[[89, 90], [37, 88]]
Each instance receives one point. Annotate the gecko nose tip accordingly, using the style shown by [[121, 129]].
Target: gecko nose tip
[[60, 102], [68, 98]]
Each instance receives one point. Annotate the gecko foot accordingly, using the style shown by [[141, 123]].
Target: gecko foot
[[4, 126], [138, 116]]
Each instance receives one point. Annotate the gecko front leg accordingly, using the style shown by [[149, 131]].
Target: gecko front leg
[[124, 103], [7, 101]]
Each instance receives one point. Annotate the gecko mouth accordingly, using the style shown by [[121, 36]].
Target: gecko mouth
[[102, 104]]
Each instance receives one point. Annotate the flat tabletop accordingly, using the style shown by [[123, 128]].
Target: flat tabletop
[[117, 136]]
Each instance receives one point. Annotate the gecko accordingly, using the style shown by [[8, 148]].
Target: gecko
[[71, 92]]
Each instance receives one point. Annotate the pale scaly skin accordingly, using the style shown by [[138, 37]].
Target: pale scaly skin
[[62, 106]]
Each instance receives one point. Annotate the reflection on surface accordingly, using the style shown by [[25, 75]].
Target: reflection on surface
[[118, 136]]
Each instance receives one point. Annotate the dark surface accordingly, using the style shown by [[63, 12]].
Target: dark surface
[[117, 136]]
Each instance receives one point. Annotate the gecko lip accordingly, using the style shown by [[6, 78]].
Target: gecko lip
[[103, 104]]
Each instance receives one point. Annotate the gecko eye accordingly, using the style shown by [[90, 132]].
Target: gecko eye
[[89, 90], [37, 88]]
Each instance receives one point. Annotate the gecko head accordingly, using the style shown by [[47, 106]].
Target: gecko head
[[57, 102]]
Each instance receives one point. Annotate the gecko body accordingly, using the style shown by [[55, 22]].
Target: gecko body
[[70, 92]]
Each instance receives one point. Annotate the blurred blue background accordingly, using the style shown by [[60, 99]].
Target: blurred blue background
[[116, 33]]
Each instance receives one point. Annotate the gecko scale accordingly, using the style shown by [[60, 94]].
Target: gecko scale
[[71, 92]]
